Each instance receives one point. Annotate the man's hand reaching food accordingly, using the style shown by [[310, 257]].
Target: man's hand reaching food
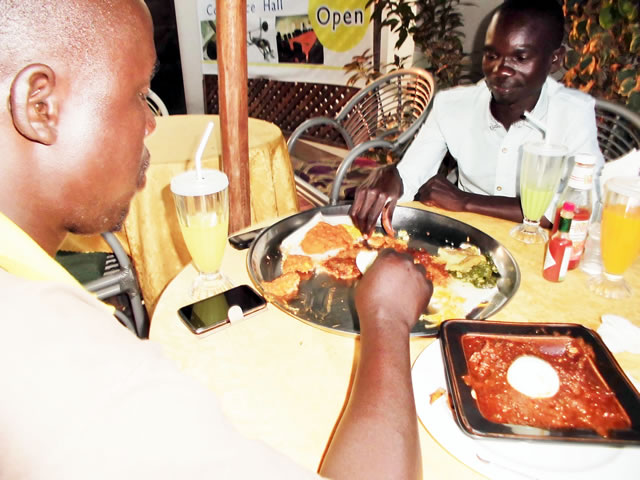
[[377, 195]]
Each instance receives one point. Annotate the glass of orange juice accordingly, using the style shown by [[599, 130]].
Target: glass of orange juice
[[620, 236], [202, 204]]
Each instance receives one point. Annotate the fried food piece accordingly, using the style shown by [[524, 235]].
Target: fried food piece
[[436, 395], [298, 263], [324, 237], [343, 266], [285, 287], [379, 242], [461, 259]]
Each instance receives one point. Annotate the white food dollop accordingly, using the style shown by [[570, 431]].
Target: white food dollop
[[365, 258], [533, 377]]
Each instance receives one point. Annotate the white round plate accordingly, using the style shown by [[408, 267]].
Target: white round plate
[[511, 459]]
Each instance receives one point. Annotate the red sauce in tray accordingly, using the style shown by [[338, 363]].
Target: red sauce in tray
[[583, 400], [436, 268]]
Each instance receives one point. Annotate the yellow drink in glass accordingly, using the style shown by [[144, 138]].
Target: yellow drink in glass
[[541, 168], [620, 237], [535, 201], [202, 206], [205, 237]]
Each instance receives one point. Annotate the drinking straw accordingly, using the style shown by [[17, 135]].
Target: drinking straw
[[538, 124], [203, 143]]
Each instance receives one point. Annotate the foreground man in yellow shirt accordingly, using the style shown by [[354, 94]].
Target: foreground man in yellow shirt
[[81, 396]]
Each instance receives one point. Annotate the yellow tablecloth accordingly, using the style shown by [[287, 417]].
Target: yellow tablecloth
[[285, 382], [152, 234]]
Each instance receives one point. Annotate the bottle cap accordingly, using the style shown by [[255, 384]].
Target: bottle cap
[[584, 159], [569, 206]]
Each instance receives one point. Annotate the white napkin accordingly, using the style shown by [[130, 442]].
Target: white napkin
[[619, 334], [626, 166]]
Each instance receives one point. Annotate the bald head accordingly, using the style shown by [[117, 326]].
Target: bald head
[[73, 32], [73, 76]]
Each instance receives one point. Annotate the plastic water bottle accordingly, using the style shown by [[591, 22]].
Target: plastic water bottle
[[592, 259]]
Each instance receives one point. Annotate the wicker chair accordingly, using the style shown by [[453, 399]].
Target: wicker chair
[[385, 114], [618, 129]]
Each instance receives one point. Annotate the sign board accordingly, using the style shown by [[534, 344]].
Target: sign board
[[295, 40]]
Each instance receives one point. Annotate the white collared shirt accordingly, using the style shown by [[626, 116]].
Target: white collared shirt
[[488, 154]]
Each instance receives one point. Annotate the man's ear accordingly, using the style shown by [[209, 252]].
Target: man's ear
[[556, 59], [34, 105]]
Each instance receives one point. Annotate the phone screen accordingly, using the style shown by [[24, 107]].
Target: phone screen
[[207, 314]]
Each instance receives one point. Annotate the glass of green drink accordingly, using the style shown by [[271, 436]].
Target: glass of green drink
[[541, 170]]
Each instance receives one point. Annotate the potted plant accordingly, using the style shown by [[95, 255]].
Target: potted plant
[[603, 56], [434, 26]]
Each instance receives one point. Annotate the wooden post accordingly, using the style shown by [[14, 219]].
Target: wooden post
[[231, 31]]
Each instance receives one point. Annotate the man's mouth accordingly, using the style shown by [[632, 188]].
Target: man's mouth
[[501, 89], [142, 178]]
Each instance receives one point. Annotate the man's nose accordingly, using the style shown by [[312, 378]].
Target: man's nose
[[150, 123], [503, 67]]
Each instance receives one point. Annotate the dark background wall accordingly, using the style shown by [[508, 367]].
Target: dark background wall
[[167, 82]]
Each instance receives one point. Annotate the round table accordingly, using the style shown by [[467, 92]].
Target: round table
[[152, 230], [285, 382]]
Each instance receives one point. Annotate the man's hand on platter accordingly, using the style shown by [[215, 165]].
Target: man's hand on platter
[[392, 294], [382, 186], [440, 192]]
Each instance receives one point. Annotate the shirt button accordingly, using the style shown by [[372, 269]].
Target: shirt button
[[504, 149], [499, 188]]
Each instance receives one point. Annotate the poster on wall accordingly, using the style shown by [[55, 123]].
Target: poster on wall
[[295, 40]]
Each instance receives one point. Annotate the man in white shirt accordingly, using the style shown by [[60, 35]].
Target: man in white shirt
[[81, 397], [482, 126]]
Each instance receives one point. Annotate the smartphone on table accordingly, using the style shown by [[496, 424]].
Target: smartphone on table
[[213, 312], [244, 240]]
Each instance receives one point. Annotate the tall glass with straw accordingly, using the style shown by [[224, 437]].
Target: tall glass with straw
[[202, 204], [541, 168]]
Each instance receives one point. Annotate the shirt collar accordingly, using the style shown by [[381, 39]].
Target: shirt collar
[[539, 110], [22, 256]]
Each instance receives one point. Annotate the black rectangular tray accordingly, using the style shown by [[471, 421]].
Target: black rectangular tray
[[474, 423]]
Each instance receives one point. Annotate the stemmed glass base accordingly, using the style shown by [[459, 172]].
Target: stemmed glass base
[[529, 232], [609, 286], [208, 284]]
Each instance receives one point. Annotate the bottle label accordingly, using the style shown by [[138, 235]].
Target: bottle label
[[581, 177], [564, 266], [578, 235], [549, 261]]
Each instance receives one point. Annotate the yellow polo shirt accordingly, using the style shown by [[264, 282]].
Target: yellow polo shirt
[[20, 255]]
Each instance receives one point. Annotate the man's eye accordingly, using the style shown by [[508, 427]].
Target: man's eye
[[490, 56]]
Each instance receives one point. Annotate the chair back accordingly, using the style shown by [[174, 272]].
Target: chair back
[[156, 104], [392, 107], [386, 114], [618, 129]]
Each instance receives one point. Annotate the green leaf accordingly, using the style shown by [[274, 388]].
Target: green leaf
[[626, 73], [634, 44], [626, 86], [606, 18], [633, 102], [628, 9], [585, 62]]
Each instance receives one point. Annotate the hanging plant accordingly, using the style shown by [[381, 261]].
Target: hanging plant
[[603, 55], [434, 25]]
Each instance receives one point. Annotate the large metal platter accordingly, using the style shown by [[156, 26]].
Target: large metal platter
[[328, 304]]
